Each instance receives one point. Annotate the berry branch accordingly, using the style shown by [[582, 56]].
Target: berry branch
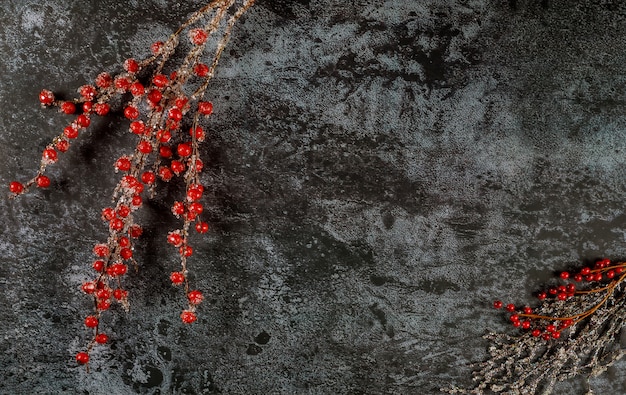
[[574, 331], [159, 97]]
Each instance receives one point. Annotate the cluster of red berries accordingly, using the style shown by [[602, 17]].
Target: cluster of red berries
[[603, 277], [156, 109]]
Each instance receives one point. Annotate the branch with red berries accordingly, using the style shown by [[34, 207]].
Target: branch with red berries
[[574, 331], [164, 103]]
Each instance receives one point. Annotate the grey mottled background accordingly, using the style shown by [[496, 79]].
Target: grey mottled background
[[380, 171]]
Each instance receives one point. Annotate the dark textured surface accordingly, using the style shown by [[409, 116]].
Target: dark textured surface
[[379, 172]]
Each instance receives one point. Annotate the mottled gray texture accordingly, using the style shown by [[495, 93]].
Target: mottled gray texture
[[379, 171]]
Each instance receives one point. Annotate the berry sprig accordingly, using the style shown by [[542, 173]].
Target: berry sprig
[[578, 296], [156, 105]]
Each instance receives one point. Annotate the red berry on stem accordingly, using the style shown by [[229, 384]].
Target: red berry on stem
[[16, 187], [91, 321], [205, 108], [83, 121], [131, 112], [68, 107], [101, 250], [177, 278], [137, 127], [183, 149], [126, 253], [49, 155], [160, 80], [175, 239], [165, 173], [144, 147], [101, 109], [188, 317], [46, 97], [43, 181], [137, 89], [101, 338], [198, 36], [536, 332], [103, 80], [131, 65], [165, 151], [82, 358], [123, 163], [186, 251], [510, 307], [70, 132], [156, 47], [120, 294], [135, 231], [98, 266], [201, 70], [88, 92], [203, 227], [564, 275], [122, 83], [177, 167]]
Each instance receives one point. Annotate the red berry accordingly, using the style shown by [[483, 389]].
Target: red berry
[[43, 181], [82, 358], [122, 83], [197, 133], [62, 145], [101, 338], [148, 177], [188, 317], [165, 151], [585, 271], [564, 275], [137, 89], [526, 325], [83, 121], [103, 80], [198, 36], [199, 165], [144, 147], [123, 163], [49, 155], [101, 109], [186, 251], [89, 287], [157, 47], [195, 297], [196, 208], [177, 167], [550, 328], [154, 96], [98, 266], [571, 288], [103, 294], [119, 269], [514, 317], [108, 213], [164, 136], [16, 187], [120, 294], [510, 307], [178, 208], [87, 106], [68, 107], [136, 200], [610, 274], [528, 310], [137, 127], [183, 149], [91, 321], [135, 231], [201, 70], [562, 296], [175, 239], [123, 241], [131, 112], [556, 335], [160, 80], [578, 277], [536, 332], [103, 305], [131, 65], [88, 92], [116, 224], [175, 114], [70, 132], [203, 227], [542, 295], [181, 102], [46, 97], [101, 250], [177, 278], [165, 173], [205, 108], [126, 253]]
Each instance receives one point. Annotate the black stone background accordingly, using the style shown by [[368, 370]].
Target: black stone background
[[379, 171]]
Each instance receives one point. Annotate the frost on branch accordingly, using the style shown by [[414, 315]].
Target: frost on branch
[[163, 101], [574, 332]]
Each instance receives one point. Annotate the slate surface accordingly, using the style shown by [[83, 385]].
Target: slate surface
[[379, 171]]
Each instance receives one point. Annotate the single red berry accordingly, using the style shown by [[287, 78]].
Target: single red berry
[[542, 295], [103, 305], [199, 165], [585, 271], [546, 336], [101, 338], [556, 335], [88, 92], [186, 251], [103, 80], [198, 36], [619, 270], [144, 147], [108, 213], [160, 80], [120, 294], [183, 149], [91, 321], [205, 108], [119, 269], [203, 227], [195, 297], [89, 287], [578, 278], [550, 328], [517, 324], [70, 132], [201, 70], [131, 65], [126, 253], [165, 151], [137, 89], [103, 294], [16, 187], [87, 106], [123, 211], [514, 317], [178, 208], [610, 274], [175, 114], [590, 277], [526, 324], [137, 127], [46, 97], [156, 47], [196, 208], [116, 224], [49, 155], [62, 145], [98, 266], [528, 310], [83, 121], [197, 133], [175, 239], [194, 195], [177, 278], [571, 288], [536, 333], [135, 231], [177, 167], [562, 296], [164, 136], [510, 307], [122, 84], [131, 112], [165, 173], [604, 262], [564, 275], [101, 109], [123, 164], [188, 317], [68, 107], [43, 181], [567, 322], [136, 200], [181, 102], [101, 250], [123, 241], [148, 177], [154, 96], [82, 358]]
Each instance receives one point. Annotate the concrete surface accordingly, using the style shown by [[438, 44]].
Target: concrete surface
[[380, 172]]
